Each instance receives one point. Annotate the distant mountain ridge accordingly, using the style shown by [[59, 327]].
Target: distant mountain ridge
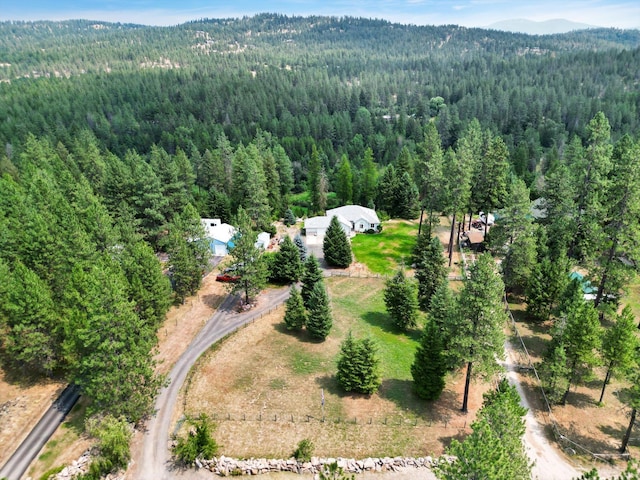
[[547, 27]]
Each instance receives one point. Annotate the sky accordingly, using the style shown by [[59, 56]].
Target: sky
[[470, 13]]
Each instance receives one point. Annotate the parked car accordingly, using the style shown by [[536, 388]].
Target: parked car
[[226, 277]]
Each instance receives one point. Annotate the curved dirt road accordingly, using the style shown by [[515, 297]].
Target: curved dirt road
[[549, 463], [154, 462]]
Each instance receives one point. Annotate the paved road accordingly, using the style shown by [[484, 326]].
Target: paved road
[[155, 463], [29, 448]]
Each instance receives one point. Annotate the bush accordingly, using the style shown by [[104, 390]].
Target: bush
[[198, 443], [370, 231], [304, 451]]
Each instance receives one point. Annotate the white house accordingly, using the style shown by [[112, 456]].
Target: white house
[[220, 235], [360, 218], [317, 226]]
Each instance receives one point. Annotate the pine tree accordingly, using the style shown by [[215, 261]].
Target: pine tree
[[286, 266], [619, 346], [429, 365], [289, 217], [319, 319], [478, 337], [494, 450], [401, 300], [430, 272], [295, 316], [310, 276], [358, 366], [580, 338], [336, 246], [247, 259]]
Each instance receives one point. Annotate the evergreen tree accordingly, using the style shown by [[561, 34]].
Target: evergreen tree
[[494, 450], [520, 261], [286, 266], [368, 179], [189, 253], [358, 366], [430, 272], [401, 300], [111, 345], [310, 276], [289, 217], [429, 365], [319, 319], [295, 316], [580, 337], [247, 259], [336, 246], [148, 287], [478, 337], [620, 224], [545, 287], [619, 345], [31, 328], [302, 248], [344, 189]]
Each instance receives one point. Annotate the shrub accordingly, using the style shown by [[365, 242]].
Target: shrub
[[304, 451]]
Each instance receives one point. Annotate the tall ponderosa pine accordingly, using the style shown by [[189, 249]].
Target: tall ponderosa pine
[[430, 271], [621, 223], [429, 365], [580, 337], [295, 317], [401, 300], [319, 318], [336, 246], [358, 366], [311, 274], [479, 336], [619, 346], [592, 182]]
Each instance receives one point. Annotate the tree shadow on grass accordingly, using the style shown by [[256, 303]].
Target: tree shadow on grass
[[301, 335], [401, 393], [384, 322]]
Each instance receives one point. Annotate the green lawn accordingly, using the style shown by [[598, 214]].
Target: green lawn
[[358, 306], [385, 252]]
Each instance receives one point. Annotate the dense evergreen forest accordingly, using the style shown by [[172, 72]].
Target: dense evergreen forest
[[117, 138]]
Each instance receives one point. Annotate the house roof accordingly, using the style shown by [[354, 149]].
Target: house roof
[[223, 232], [355, 212], [324, 221]]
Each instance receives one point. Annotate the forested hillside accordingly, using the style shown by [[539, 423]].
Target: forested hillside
[[117, 138]]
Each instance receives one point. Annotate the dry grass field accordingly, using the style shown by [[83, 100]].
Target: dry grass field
[[263, 387]]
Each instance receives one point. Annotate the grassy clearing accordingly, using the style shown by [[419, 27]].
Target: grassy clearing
[[385, 252], [265, 410]]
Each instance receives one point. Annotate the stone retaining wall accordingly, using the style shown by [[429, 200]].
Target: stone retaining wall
[[225, 466]]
